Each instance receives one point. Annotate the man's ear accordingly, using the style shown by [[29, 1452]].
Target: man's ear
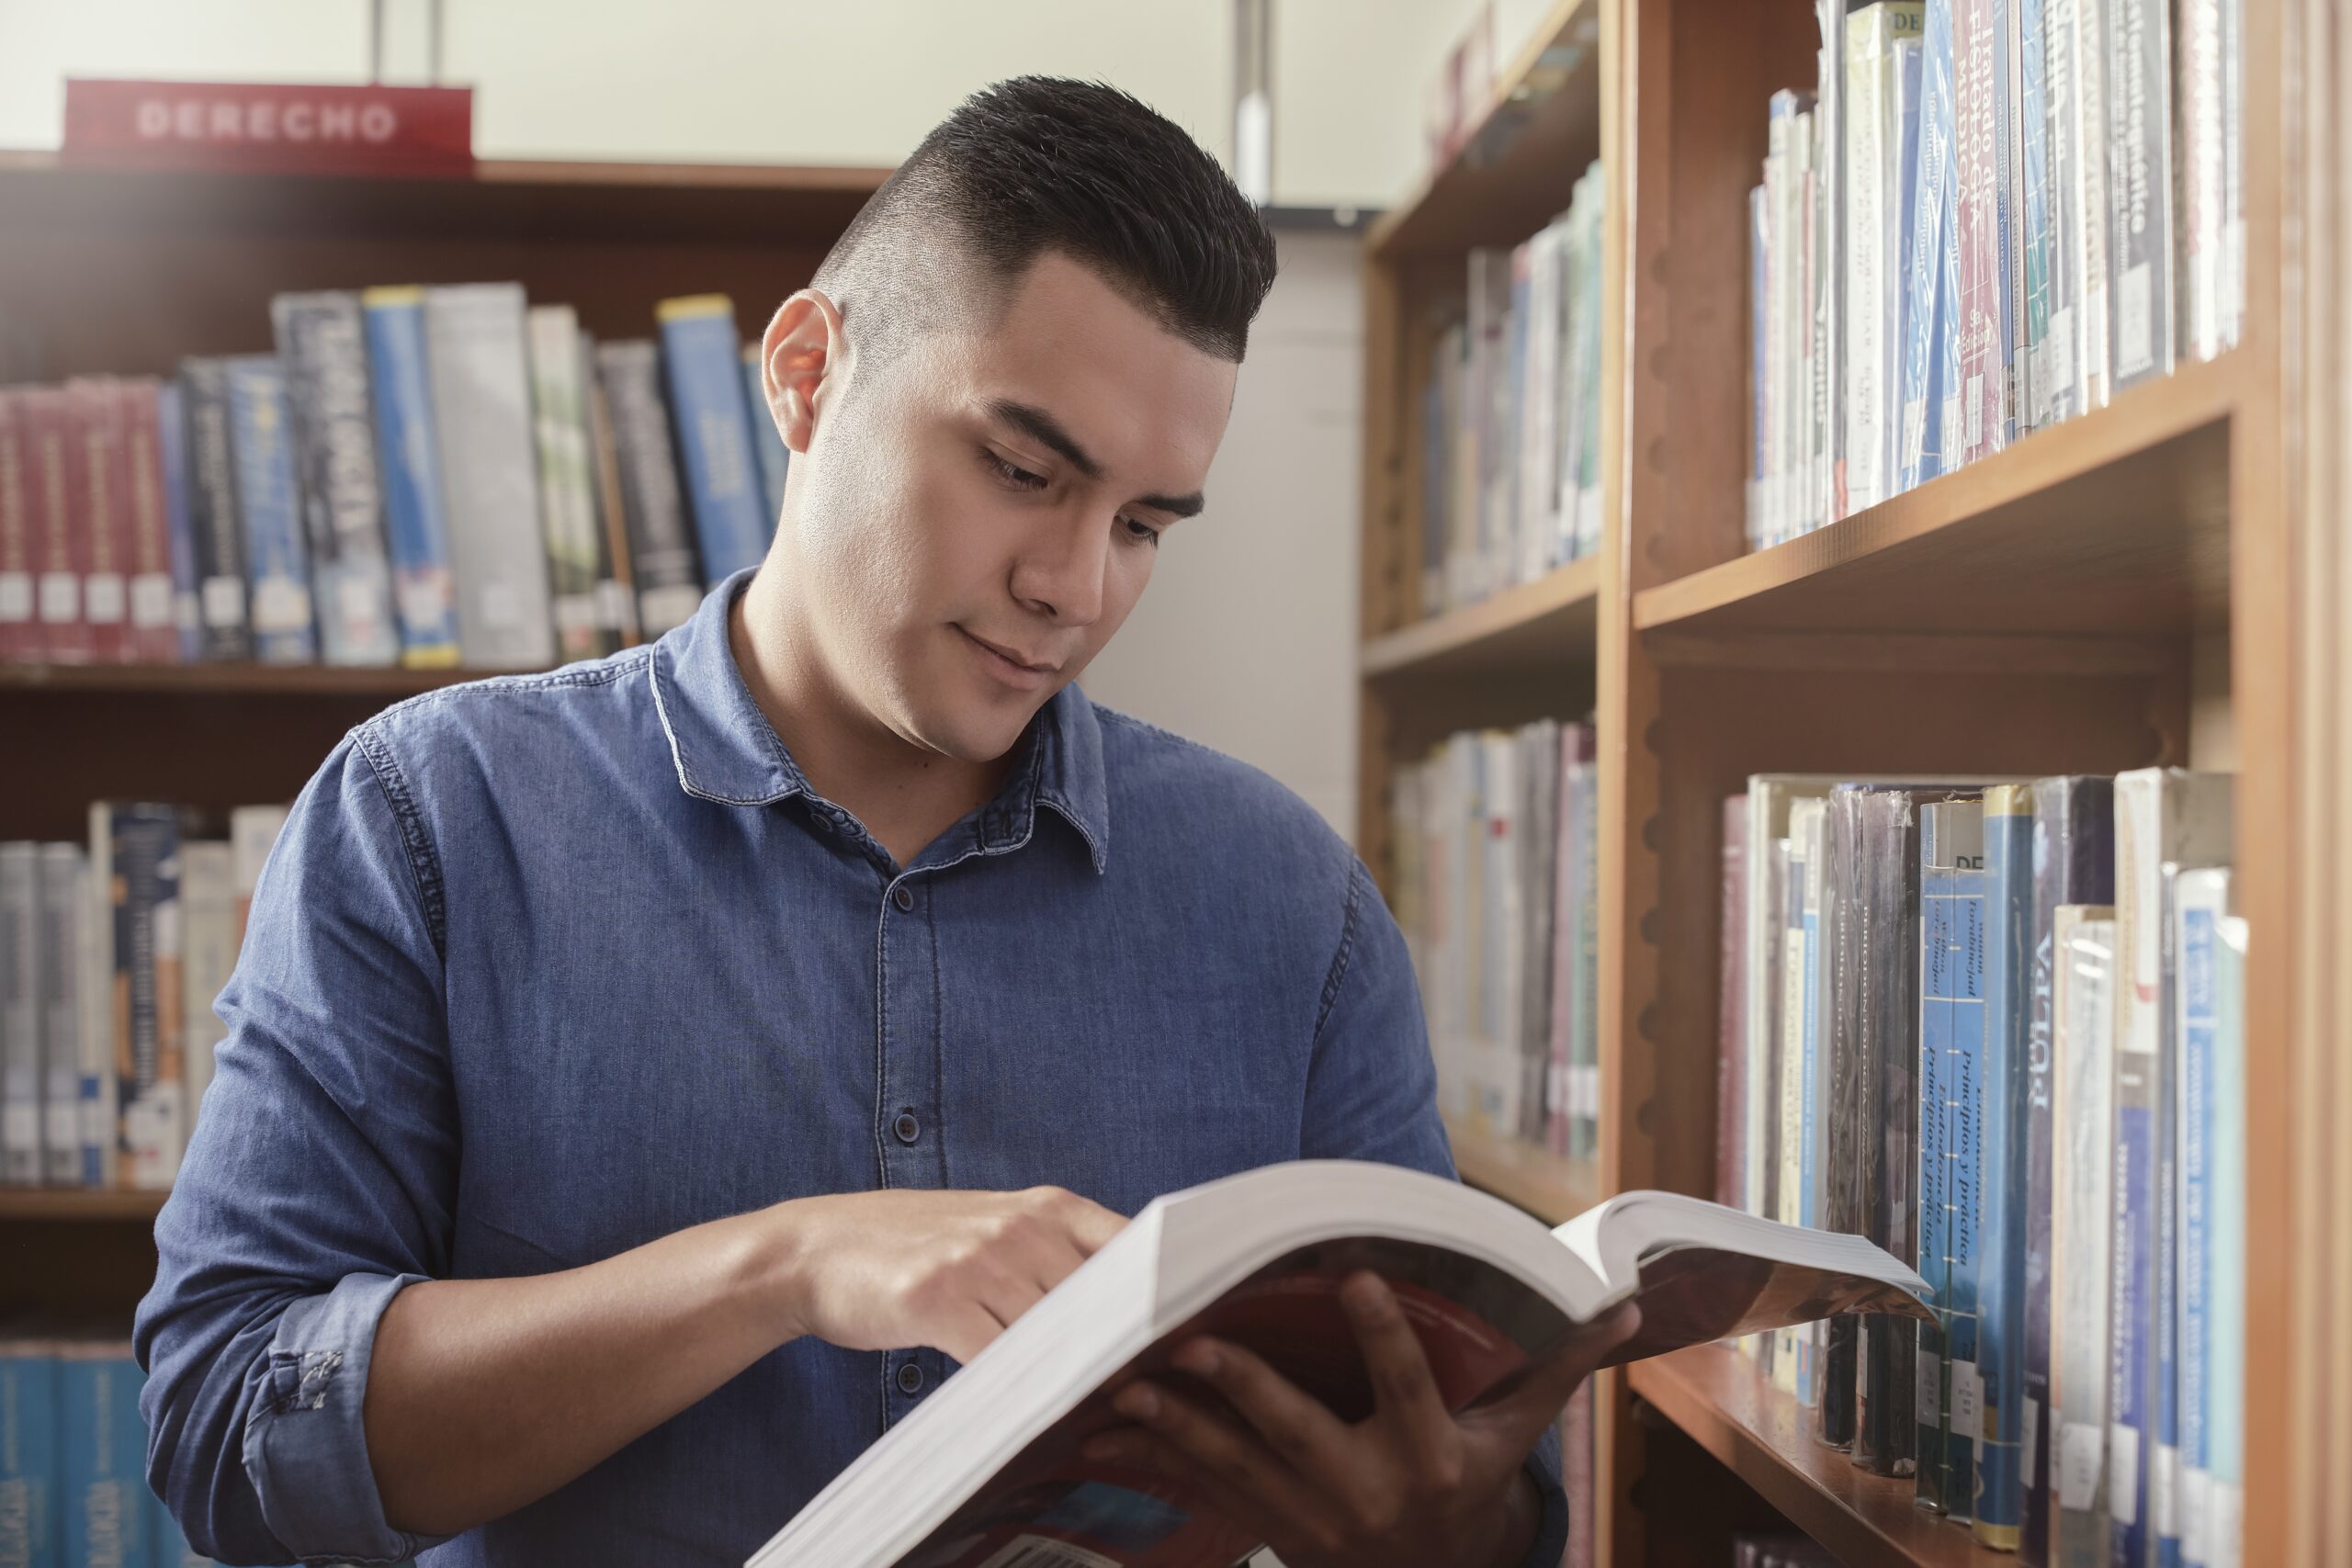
[[800, 353]]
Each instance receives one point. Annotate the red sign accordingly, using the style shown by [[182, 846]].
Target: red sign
[[272, 126]]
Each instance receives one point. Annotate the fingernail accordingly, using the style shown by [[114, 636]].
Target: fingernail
[[1139, 1402], [1199, 1358], [1367, 1293]]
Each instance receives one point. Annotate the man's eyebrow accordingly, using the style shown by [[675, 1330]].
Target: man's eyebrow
[[1042, 426]]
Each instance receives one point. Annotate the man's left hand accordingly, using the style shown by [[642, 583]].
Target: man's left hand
[[1410, 1484]]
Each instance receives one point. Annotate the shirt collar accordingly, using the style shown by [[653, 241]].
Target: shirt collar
[[725, 749]]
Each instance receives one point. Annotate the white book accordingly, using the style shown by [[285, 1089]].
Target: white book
[[61, 947], [480, 375], [209, 916], [2082, 1111], [20, 1076], [1769, 799], [2086, 202], [979, 1474], [1869, 241], [1805, 818]]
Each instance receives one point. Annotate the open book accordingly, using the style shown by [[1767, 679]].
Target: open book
[[989, 1473]]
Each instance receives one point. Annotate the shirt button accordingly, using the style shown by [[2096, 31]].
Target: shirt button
[[822, 823], [906, 1127], [910, 1377], [903, 896]]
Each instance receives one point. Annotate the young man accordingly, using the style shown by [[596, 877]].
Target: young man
[[646, 1081]]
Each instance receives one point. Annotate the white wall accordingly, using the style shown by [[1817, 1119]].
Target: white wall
[[789, 81]]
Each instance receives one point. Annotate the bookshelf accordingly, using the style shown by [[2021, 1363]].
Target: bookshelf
[[128, 271], [2052, 608]]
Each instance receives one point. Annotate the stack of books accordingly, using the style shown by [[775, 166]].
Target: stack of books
[[1511, 414], [1496, 883], [73, 1471], [421, 477], [1998, 1026], [1993, 216], [111, 955]]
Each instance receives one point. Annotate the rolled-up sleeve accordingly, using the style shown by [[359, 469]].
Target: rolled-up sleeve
[[1372, 1095], [319, 1184]]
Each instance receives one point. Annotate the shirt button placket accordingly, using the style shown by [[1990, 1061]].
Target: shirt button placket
[[908, 1115]]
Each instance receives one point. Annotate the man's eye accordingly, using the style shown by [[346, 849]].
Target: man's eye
[[1013, 473], [1141, 532]]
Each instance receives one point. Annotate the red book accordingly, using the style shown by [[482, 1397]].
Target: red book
[[47, 425], [19, 631], [154, 634], [97, 474]]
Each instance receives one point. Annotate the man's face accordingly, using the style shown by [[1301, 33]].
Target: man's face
[[976, 514]]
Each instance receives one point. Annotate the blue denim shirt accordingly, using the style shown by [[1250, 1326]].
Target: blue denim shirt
[[545, 967]]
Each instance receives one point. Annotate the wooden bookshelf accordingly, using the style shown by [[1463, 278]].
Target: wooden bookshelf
[[2052, 608], [127, 271]]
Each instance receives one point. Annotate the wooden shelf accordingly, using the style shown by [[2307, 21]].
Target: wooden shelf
[[234, 679], [1553, 1189], [107, 1204], [1763, 1436], [1545, 623], [2113, 524], [1535, 135]]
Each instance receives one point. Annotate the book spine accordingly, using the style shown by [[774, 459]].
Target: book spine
[[1788, 1180], [1731, 1067], [1888, 902], [2060, 385], [2201, 902], [2083, 1105], [1932, 1395], [566, 505], [19, 630], [171, 451], [103, 1462], [2008, 867], [767, 441], [2074, 864], [478, 367], [61, 941], [2165, 1499], [2013, 217], [223, 632], [21, 1162], [208, 918], [2231, 289], [1834, 1187], [661, 550], [1584, 1038], [2038, 239], [1826, 210], [1826, 977], [2088, 199], [1927, 304], [615, 590], [143, 944], [2226, 1215], [2130, 1317], [416, 526], [277, 564], [1757, 985], [31, 1481], [1964, 1076], [2139, 237], [2199, 146], [98, 471], [152, 633], [1980, 140], [101, 1009], [1505, 952], [699, 362], [322, 348], [64, 636], [1760, 362]]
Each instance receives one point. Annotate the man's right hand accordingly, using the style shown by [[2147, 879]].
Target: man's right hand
[[951, 1271]]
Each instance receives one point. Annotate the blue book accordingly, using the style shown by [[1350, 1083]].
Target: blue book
[[2037, 238], [2201, 902], [1932, 1398], [2225, 1211], [2130, 1322], [278, 561], [417, 527], [2073, 862], [2163, 1465], [28, 1454], [1930, 271], [2000, 1348], [102, 1448], [171, 448], [1964, 1077], [776, 458], [701, 364]]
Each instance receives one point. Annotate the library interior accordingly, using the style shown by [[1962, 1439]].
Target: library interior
[[1036, 785]]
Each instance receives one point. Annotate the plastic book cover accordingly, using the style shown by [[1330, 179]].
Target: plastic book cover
[[663, 561], [278, 563], [2008, 868], [2225, 1293], [416, 526], [171, 454], [1981, 146], [2140, 188], [2035, 236], [213, 519], [322, 348], [2082, 1092], [702, 367]]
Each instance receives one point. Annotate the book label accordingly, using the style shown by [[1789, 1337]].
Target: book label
[[2079, 1452], [1967, 1400], [2123, 1472]]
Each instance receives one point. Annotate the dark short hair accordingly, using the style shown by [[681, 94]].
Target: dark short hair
[[1041, 163]]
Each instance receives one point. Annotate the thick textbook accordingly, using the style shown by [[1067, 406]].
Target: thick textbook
[[991, 1469]]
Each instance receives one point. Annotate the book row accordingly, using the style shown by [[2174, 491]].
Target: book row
[[1511, 413], [1998, 1026], [424, 476], [111, 955], [1993, 216], [73, 1486], [1496, 893]]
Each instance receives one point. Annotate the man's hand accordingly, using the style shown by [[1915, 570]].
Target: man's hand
[[1410, 1484], [883, 1270]]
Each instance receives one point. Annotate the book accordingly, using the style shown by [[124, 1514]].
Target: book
[[323, 350], [19, 631], [1542, 809], [208, 920], [151, 631], [172, 457], [2140, 181], [2082, 1107], [135, 867], [2058, 380], [664, 563], [102, 1445], [1880, 933], [2086, 200], [1577, 975], [2000, 1354], [567, 498], [2074, 864], [1871, 243], [1951, 1034], [1761, 340], [21, 1163], [278, 568], [767, 441], [60, 946], [1802, 889], [1731, 1054], [416, 526], [477, 367], [96, 474], [1980, 140], [214, 522], [2163, 816], [2036, 237], [1825, 206], [615, 592], [992, 1466], [31, 1478], [2227, 1212], [56, 555], [2200, 902], [2197, 145]]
